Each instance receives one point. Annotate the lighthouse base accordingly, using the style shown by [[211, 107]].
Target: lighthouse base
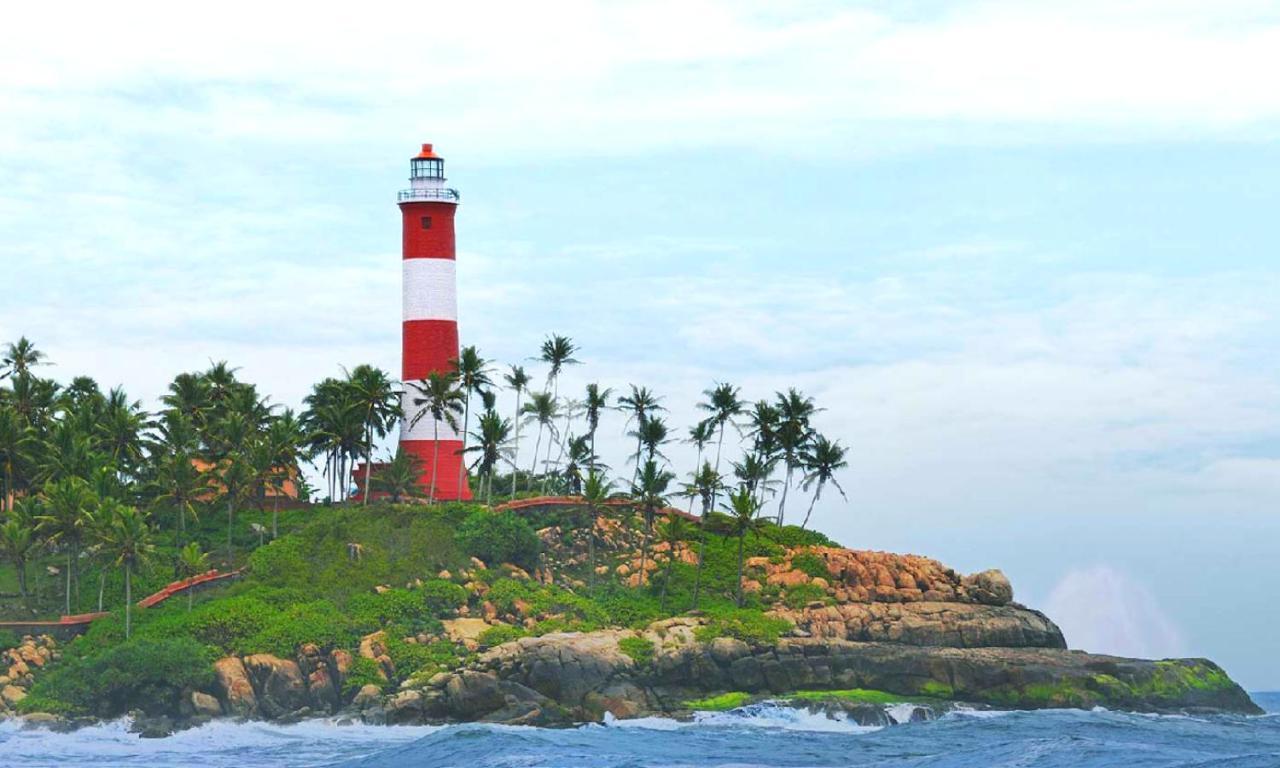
[[446, 455]]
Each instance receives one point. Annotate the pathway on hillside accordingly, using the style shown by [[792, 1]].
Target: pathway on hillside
[[74, 625]]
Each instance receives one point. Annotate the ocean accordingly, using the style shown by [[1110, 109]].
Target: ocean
[[759, 735]]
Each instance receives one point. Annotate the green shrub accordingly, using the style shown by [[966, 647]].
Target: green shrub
[[499, 538], [413, 611], [802, 594], [422, 660], [363, 671], [442, 597], [623, 607], [8, 639], [499, 634], [640, 649], [318, 622], [795, 536], [147, 674], [811, 565], [748, 625]]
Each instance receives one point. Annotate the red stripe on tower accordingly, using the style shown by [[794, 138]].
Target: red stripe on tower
[[430, 330]]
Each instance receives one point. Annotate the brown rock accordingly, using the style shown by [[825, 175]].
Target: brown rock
[[231, 680], [278, 684], [12, 694], [204, 704]]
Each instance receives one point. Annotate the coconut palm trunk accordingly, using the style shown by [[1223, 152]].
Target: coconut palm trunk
[[817, 493], [786, 486], [368, 467], [466, 420], [128, 601], [68, 600], [435, 460], [741, 538], [515, 451]]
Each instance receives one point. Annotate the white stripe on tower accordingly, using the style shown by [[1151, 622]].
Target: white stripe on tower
[[425, 428], [430, 289]]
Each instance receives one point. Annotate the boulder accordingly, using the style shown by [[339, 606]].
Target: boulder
[[231, 682], [990, 587], [368, 695], [202, 704], [278, 684], [12, 694], [465, 631]]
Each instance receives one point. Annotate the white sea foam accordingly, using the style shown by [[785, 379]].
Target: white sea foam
[[216, 744], [784, 718]]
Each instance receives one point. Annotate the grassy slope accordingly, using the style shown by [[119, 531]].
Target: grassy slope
[[306, 587]]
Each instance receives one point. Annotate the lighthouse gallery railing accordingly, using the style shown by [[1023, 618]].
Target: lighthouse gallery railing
[[427, 194]]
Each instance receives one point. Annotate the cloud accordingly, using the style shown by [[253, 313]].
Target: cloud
[[581, 77]]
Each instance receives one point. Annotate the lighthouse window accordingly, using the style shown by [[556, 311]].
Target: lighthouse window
[[426, 222], [428, 168]]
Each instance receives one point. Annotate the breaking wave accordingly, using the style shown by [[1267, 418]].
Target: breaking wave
[[755, 735]]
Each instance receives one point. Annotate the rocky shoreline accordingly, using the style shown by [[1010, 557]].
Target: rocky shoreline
[[565, 679], [883, 628]]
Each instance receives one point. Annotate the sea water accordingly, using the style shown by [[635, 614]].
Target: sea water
[[757, 735]]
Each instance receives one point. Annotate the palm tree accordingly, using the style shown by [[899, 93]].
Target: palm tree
[[284, 439], [518, 380], [178, 483], [795, 410], [699, 435], [542, 409], [650, 492], [754, 473], [128, 538], [493, 444], [724, 404], [401, 478], [68, 506], [373, 393], [443, 400], [596, 490], [18, 541], [189, 395], [596, 402], [570, 409], [674, 532], [15, 442], [821, 460], [557, 352], [641, 403], [236, 476], [119, 431], [652, 434], [580, 455], [191, 562], [743, 509], [705, 484], [19, 358], [473, 377]]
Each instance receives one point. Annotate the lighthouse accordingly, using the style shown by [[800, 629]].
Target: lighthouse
[[429, 335]]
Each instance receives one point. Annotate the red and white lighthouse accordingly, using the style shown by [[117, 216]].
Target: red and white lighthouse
[[430, 329]]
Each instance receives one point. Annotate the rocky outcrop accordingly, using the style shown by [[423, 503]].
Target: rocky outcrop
[[582, 676], [957, 625], [19, 666], [233, 687]]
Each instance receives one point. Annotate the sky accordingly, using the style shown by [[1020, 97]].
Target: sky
[[1023, 254]]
